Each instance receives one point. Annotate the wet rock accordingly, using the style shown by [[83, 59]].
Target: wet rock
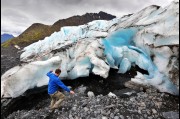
[[135, 86], [171, 115], [84, 104], [116, 111], [121, 117], [158, 104], [90, 94], [112, 115], [104, 117], [74, 108], [81, 89], [142, 104], [127, 92], [151, 90], [86, 109], [139, 111], [116, 117], [111, 95], [154, 111]]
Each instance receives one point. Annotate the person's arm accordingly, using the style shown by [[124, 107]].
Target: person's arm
[[61, 84], [49, 73]]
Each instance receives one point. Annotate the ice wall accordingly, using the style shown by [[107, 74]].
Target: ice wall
[[122, 55], [21, 78]]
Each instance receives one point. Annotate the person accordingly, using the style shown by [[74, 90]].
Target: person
[[54, 83]]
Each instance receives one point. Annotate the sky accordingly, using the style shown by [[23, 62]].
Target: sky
[[18, 15]]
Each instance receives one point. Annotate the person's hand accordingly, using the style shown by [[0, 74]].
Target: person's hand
[[72, 92]]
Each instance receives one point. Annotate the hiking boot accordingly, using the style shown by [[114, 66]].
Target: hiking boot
[[51, 110]]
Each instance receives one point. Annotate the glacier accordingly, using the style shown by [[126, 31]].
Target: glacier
[[148, 39]]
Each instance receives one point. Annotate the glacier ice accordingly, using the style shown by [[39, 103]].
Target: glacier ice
[[29, 76], [148, 39]]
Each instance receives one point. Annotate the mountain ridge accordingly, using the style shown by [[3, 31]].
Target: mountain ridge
[[5, 37], [38, 31]]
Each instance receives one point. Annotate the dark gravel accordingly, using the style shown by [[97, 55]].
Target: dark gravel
[[142, 105], [10, 57]]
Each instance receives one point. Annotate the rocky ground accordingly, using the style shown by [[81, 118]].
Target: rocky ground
[[10, 57], [92, 99], [85, 105]]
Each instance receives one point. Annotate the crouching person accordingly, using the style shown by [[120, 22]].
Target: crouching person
[[54, 83]]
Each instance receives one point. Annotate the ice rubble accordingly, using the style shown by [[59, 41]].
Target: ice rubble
[[148, 39]]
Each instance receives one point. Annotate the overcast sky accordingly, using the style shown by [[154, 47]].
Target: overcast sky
[[18, 15]]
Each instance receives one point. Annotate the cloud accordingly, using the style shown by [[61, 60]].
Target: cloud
[[18, 15]]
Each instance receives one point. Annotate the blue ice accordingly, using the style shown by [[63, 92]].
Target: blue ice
[[120, 53], [120, 45]]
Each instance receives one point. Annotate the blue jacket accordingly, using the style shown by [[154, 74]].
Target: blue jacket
[[54, 83]]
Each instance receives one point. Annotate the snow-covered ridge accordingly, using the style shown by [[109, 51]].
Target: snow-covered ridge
[[149, 39]]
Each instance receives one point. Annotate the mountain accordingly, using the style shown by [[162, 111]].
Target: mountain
[[38, 31], [5, 37]]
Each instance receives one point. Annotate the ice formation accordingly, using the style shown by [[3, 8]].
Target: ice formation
[[149, 39]]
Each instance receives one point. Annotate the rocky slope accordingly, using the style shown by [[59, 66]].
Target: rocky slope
[[9, 58]]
